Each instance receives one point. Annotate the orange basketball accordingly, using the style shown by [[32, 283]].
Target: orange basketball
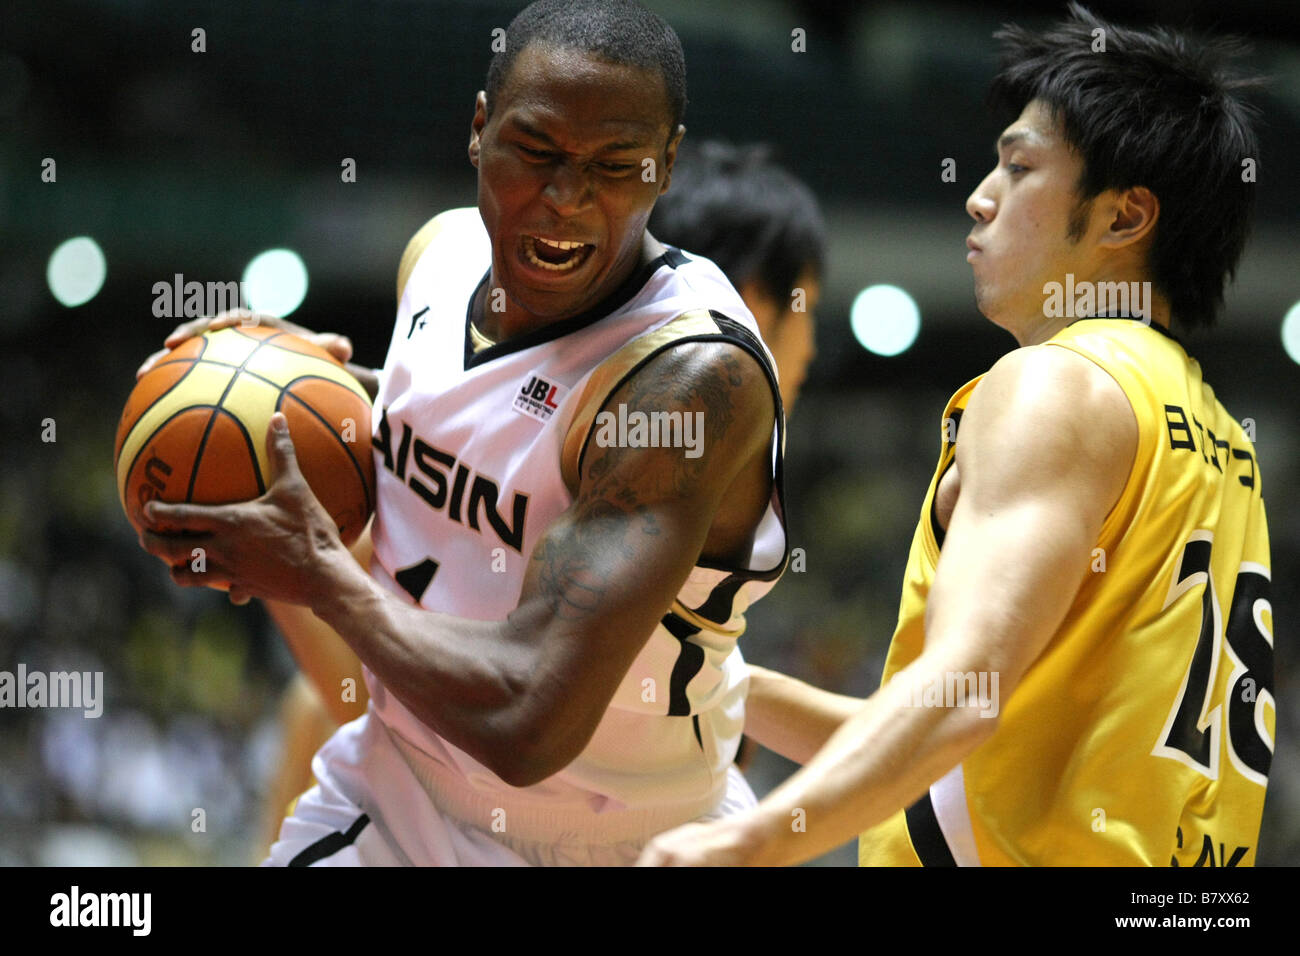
[[194, 428]]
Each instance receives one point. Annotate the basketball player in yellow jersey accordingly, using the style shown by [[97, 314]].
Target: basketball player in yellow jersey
[[1082, 669]]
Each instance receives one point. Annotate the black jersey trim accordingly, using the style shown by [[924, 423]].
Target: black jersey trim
[[673, 256], [927, 839], [632, 285], [1149, 324], [730, 331], [690, 660], [717, 607], [329, 845], [755, 348], [937, 531]]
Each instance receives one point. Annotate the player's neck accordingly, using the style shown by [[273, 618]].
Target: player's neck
[[1036, 328], [513, 320]]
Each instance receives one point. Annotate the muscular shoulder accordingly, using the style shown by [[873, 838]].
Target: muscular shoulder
[[1044, 413], [725, 406]]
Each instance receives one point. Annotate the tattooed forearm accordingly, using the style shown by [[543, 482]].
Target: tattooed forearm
[[571, 587]]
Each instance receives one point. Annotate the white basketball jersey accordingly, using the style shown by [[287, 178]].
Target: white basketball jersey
[[471, 453]]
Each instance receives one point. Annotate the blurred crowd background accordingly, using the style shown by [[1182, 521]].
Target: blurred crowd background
[[177, 161]]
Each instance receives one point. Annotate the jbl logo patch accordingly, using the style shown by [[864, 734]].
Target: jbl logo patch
[[539, 398]]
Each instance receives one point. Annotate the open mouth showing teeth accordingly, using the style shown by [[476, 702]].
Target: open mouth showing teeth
[[555, 256]]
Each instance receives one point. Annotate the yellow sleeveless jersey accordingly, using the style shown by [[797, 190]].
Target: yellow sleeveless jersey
[[1143, 734]]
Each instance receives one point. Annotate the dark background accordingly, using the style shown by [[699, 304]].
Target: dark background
[[192, 163]]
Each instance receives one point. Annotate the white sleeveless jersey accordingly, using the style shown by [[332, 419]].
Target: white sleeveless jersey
[[471, 455]]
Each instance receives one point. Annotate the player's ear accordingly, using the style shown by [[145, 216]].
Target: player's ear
[[1133, 215], [670, 157], [762, 306], [476, 126]]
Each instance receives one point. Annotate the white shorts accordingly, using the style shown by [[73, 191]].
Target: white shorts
[[370, 809]]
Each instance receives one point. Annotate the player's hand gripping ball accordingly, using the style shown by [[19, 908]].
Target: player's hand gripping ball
[[194, 429]]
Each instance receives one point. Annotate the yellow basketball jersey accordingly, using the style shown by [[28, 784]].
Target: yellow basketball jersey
[[1143, 734]]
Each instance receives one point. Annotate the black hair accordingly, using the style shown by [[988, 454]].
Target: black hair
[[1159, 109], [751, 217], [617, 31]]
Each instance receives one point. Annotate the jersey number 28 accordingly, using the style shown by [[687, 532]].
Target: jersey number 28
[[1191, 732]]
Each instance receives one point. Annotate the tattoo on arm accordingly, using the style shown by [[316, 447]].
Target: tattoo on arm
[[606, 527], [570, 573], [692, 384]]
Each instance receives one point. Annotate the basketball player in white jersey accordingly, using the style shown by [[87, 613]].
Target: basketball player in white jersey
[[578, 439], [758, 223]]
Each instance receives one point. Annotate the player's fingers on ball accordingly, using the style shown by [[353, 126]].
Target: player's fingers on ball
[[239, 597], [160, 518], [163, 517], [171, 548], [279, 447], [339, 346], [197, 565], [185, 574], [222, 320], [242, 317], [150, 362], [186, 330]]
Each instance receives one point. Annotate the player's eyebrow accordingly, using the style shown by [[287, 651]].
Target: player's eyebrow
[[622, 145], [529, 129], [1011, 138]]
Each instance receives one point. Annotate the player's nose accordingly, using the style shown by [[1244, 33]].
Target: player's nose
[[568, 190], [981, 206]]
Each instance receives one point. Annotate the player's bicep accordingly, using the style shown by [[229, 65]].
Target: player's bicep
[[1043, 455], [604, 574], [1005, 580]]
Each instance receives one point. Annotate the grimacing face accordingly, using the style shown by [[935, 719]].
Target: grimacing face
[[562, 183], [1022, 210]]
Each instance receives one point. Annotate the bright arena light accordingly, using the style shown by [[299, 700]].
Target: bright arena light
[[1291, 333], [76, 271], [885, 319], [275, 282]]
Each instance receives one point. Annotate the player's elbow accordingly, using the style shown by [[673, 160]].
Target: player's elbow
[[535, 742], [971, 725], [525, 761], [520, 770]]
